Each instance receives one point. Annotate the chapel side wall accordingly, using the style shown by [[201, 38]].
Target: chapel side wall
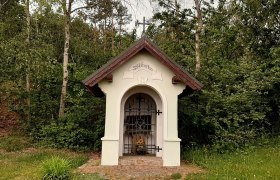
[[160, 80]]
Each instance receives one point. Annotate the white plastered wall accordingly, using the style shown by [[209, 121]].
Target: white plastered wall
[[143, 73]]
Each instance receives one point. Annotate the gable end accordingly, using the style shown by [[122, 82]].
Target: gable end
[[181, 76]]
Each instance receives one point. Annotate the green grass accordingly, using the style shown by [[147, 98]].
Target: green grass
[[56, 168], [14, 143], [87, 177], [176, 176], [27, 164], [256, 162], [18, 160]]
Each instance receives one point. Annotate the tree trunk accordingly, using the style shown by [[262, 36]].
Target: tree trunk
[[67, 17], [197, 36], [2, 4], [113, 43], [112, 36], [27, 40], [104, 42], [120, 43]]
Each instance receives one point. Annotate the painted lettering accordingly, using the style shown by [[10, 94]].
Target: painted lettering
[[141, 65]]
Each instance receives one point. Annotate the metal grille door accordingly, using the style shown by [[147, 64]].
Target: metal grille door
[[140, 125]]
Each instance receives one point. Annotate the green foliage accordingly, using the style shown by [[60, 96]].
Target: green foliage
[[259, 161], [174, 36], [273, 94], [82, 127], [56, 168], [70, 134], [11, 19], [239, 101], [41, 59], [240, 70]]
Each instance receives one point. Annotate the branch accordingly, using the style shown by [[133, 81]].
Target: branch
[[174, 8], [63, 5], [78, 8], [70, 6], [3, 4]]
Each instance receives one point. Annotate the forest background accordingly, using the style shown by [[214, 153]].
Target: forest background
[[232, 47]]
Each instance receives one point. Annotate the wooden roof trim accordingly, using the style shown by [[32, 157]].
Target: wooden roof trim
[[180, 73], [109, 67], [143, 43]]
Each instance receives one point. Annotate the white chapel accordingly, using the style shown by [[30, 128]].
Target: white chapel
[[142, 86]]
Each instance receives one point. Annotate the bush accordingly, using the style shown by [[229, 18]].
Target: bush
[[73, 132], [80, 129], [56, 168]]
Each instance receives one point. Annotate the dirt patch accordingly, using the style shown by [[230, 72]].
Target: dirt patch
[[8, 119], [137, 172]]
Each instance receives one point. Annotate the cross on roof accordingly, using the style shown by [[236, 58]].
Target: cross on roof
[[144, 24]]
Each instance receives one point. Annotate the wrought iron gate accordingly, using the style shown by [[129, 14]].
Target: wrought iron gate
[[140, 125]]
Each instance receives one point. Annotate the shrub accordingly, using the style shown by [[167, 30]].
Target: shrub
[[80, 129], [72, 133], [56, 168]]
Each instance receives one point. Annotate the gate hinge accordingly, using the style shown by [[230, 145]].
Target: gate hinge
[[159, 112], [158, 148]]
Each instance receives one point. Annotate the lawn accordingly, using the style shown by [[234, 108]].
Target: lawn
[[18, 161], [255, 162]]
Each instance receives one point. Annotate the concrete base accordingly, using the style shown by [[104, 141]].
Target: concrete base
[[171, 152], [110, 152], [170, 158]]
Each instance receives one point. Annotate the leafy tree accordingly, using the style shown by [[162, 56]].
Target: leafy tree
[[234, 106], [240, 70]]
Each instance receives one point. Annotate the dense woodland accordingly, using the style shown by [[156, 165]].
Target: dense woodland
[[232, 47]]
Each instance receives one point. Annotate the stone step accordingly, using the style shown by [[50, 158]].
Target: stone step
[[140, 161]]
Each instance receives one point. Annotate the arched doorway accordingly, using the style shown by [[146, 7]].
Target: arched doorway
[[140, 125]]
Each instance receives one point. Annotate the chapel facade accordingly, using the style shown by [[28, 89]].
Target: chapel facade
[[142, 86]]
